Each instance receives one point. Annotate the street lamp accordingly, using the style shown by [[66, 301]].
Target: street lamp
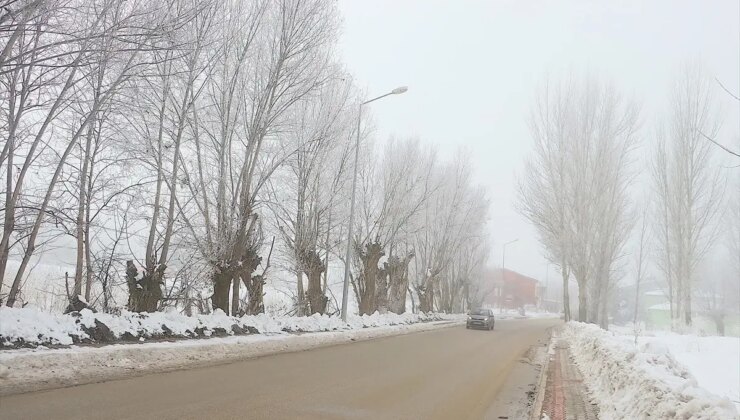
[[547, 285], [503, 274], [345, 289]]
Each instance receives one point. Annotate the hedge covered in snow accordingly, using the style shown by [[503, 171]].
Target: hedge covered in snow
[[639, 382], [28, 327]]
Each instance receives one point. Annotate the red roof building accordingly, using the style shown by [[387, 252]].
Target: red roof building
[[511, 290]]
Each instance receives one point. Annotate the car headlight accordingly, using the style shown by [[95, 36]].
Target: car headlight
[[470, 317]]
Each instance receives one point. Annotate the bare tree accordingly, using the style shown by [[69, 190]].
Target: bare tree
[[640, 261], [303, 193], [575, 187], [542, 189], [135, 24], [688, 188], [395, 189], [271, 56], [453, 216]]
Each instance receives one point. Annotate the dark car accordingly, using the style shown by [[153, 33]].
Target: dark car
[[481, 318]]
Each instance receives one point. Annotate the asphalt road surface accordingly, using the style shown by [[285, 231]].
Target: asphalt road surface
[[449, 373]]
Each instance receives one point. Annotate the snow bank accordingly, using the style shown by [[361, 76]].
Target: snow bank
[[26, 327], [516, 314], [639, 382], [33, 326], [24, 370], [714, 361]]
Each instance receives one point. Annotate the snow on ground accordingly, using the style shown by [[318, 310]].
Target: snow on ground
[[643, 381], [515, 314], [24, 370], [714, 361], [29, 327]]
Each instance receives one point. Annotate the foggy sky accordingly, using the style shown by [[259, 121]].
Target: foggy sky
[[473, 67]]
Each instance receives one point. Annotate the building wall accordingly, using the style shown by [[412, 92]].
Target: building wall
[[511, 290]]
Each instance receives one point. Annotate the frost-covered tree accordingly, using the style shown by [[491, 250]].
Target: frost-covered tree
[[304, 192], [574, 189], [688, 188]]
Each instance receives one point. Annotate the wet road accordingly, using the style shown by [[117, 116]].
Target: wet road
[[449, 373]]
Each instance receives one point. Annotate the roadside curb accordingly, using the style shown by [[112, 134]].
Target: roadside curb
[[536, 413], [22, 372]]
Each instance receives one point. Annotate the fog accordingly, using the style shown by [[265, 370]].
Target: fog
[[526, 209], [210, 156], [473, 73]]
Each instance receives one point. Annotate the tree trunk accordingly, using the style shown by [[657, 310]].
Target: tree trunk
[[398, 279], [9, 214], [687, 305], [582, 302], [235, 296], [317, 300], [312, 265], [413, 301], [368, 277], [88, 258], [381, 293], [221, 288], [255, 303], [300, 293], [88, 252], [720, 322], [426, 297], [80, 222], [595, 302], [188, 309], [145, 293], [604, 314], [326, 254], [566, 293], [397, 295], [678, 308]]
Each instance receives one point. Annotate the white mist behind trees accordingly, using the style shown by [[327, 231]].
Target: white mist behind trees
[[574, 189], [579, 182], [195, 151], [689, 188]]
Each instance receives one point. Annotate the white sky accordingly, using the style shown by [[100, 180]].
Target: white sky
[[472, 68]]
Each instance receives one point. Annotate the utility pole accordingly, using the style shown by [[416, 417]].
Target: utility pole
[[503, 275], [348, 256]]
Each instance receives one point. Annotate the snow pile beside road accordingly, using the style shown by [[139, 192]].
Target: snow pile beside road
[[639, 382], [269, 324], [529, 314], [714, 361], [33, 326], [26, 327], [24, 370]]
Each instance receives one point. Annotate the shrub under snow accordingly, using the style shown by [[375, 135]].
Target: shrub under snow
[[639, 382], [27, 327]]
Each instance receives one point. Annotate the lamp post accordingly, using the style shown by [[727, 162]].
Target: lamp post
[[547, 285], [347, 261], [503, 274]]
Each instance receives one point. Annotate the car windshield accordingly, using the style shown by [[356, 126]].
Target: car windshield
[[479, 312]]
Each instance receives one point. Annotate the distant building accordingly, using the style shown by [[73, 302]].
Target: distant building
[[656, 307], [512, 290]]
